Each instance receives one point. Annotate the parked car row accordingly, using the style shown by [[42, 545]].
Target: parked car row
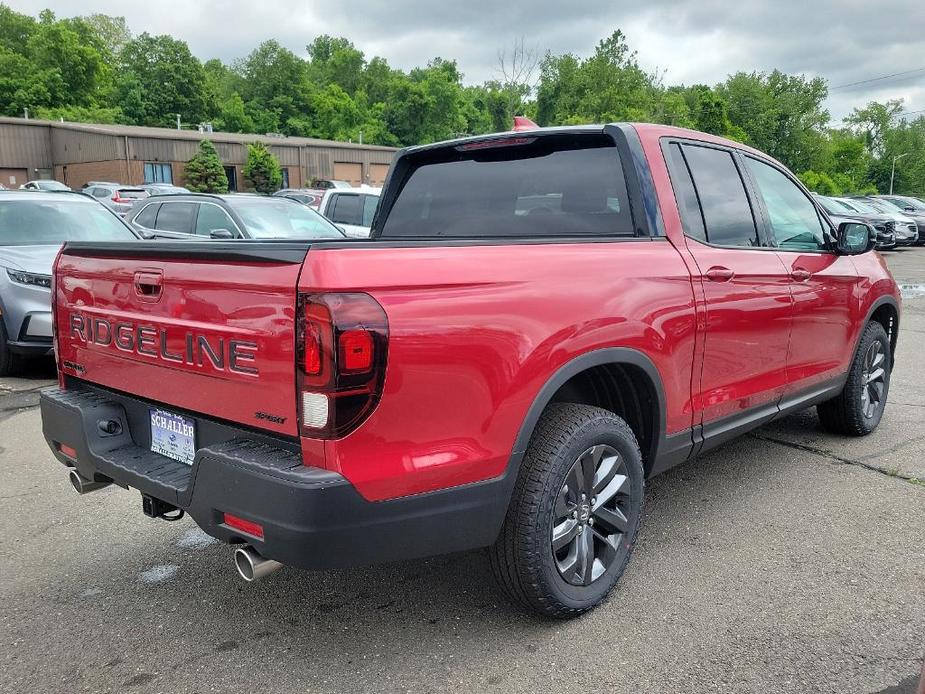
[[894, 226]]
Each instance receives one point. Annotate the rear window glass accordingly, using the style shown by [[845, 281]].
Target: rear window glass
[[131, 194], [34, 222], [548, 186]]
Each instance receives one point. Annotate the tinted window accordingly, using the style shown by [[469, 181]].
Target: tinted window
[[685, 195], [370, 203], [279, 218], [547, 186], [212, 217], [345, 209], [147, 216], [792, 216], [24, 223], [176, 216], [132, 193], [726, 212], [99, 192]]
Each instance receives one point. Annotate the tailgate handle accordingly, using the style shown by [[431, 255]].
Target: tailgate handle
[[148, 284]]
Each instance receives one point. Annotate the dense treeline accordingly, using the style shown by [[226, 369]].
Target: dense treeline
[[94, 69]]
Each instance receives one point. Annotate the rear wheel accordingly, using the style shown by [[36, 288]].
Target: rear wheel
[[575, 512], [9, 362], [857, 410]]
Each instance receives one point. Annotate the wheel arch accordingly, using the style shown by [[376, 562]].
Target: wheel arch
[[884, 310], [649, 424]]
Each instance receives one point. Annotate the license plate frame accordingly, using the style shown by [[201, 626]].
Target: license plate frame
[[173, 435]]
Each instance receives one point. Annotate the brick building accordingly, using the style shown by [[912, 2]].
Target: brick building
[[75, 153]]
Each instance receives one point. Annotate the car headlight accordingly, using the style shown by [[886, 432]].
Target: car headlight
[[29, 278]]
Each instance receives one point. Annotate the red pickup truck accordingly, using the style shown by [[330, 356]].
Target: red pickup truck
[[541, 321]]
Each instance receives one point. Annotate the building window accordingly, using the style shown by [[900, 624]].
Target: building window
[[158, 173], [285, 177]]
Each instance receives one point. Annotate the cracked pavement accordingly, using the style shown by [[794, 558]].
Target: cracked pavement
[[786, 561]]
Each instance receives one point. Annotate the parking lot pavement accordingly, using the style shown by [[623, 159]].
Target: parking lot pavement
[[786, 561]]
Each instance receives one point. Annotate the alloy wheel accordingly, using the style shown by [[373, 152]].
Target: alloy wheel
[[873, 379], [590, 515]]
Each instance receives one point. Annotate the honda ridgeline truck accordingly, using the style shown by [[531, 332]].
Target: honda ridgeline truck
[[539, 322]]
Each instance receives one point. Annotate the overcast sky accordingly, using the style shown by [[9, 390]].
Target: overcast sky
[[845, 41]]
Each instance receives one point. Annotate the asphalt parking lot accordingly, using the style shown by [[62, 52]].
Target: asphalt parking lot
[[787, 561]]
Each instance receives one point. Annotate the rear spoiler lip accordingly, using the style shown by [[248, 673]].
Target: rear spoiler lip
[[245, 251]]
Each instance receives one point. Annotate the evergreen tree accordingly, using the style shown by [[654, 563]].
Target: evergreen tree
[[204, 172], [262, 170]]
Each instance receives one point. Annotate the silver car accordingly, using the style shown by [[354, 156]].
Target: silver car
[[118, 198], [33, 226]]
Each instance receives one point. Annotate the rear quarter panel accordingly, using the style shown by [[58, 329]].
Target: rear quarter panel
[[476, 331]]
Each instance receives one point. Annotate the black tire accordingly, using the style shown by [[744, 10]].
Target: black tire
[[850, 412], [523, 560], [9, 362]]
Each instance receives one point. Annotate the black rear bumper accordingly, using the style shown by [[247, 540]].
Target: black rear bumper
[[311, 518]]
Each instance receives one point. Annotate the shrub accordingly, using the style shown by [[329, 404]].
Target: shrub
[[204, 172]]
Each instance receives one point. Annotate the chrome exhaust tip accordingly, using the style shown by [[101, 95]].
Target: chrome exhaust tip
[[252, 566], [82, 485]]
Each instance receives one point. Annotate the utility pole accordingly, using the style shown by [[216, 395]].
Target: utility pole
[[893, 170], [25, 112], [178, 121]]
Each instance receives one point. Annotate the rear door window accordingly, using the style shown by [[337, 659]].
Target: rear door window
[[685, 195], [521, 187], [727, 214], [345, 209], [148, 215], [176, 216]]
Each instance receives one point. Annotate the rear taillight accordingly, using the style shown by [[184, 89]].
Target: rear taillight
[[342, 348]]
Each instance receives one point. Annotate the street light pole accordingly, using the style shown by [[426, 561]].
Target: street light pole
[[893, 170]]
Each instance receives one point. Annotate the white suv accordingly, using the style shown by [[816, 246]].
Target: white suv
[[351, 209]]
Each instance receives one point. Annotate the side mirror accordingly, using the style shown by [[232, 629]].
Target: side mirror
[[222, 234], [909, 209], [855, 238]]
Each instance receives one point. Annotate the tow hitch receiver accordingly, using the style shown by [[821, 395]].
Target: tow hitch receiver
[[155, 508]]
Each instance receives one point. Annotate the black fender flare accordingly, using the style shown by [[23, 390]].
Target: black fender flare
[[885, 300], [599, 357]]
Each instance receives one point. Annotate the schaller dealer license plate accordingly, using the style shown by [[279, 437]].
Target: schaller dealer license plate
[[173, 435]]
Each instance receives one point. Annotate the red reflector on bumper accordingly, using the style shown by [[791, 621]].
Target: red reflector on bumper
[[67, 450], [245, 526]]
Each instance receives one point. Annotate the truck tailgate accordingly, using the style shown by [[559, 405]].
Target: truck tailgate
[[206, 327]]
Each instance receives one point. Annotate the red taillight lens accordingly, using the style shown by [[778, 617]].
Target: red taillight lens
[[311, 362], [356, 351], [245, 526], [342, 349], [67, 450]]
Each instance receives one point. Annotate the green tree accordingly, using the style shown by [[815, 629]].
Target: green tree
[[164, 79], [335, 60], [204, 172], [112, 32], [820, 183], [232, 116], [262, 169]]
